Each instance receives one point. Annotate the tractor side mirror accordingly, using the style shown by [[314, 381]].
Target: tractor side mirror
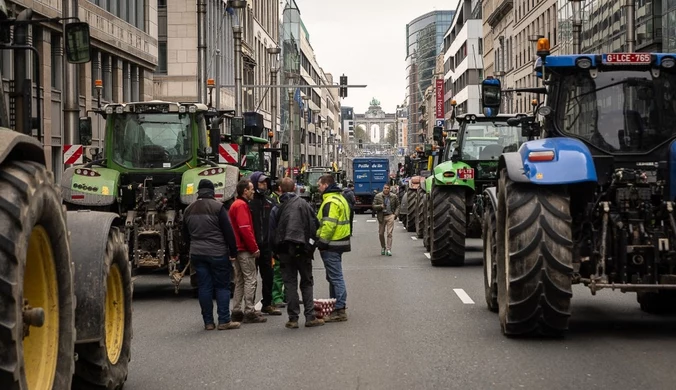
[[214, 139], [514, 122], [77, 43], [491, 96], [85, 130]]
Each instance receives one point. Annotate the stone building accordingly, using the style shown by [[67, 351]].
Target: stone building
[[376, 122], [124, 56]]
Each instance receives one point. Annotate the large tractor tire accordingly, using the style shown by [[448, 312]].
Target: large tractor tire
[[36, 282], [420, 214], [412, 202], [447, 230], [427, 225], [489, 235], [534, 247], [661, 302], [103, 364]]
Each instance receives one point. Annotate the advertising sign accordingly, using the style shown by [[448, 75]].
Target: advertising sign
[[440, 99]]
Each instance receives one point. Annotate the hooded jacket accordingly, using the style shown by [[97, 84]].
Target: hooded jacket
[[293, 221], [334, 216], [261, 207], [207, 228]]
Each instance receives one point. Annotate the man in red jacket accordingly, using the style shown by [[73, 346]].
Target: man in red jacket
[[247, 252]]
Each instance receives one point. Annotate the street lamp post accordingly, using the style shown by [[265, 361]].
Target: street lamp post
[[291, 163], [273, 52], [238, 5], [306, 108]]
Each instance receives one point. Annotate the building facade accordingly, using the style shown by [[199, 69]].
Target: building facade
[[124, 56], [604, 24], [176, 74], [463, 59], [402, 126], [498, 45], [424, 38], [305, 110], [376, 122]]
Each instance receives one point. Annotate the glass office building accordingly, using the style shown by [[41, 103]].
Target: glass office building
[[424, 42], [604, 26]]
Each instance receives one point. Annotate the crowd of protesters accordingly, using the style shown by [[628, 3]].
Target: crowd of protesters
[[268, 231]]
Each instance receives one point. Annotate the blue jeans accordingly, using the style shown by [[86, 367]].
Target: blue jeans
[[333, 263], [213, 273]]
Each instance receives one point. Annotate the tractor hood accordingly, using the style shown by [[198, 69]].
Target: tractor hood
[[451, 173]]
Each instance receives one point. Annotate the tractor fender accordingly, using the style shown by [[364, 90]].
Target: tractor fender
[[490, 194], [88, 240], [13, 143], [225, 182], [100, 190], [572, 162]]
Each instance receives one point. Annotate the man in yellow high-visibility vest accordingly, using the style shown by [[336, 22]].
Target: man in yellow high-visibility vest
[[333, 238]]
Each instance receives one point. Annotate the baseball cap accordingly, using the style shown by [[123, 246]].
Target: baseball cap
[[262, 178]]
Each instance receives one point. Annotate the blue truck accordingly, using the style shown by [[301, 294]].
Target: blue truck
[[370, 174]]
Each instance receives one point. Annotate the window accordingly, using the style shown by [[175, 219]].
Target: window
[[161, 37], [131, 11]]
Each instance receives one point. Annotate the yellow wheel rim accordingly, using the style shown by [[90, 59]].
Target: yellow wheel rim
[[40, 347], [114, 314]]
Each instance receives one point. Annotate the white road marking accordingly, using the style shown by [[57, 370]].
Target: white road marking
[[370, 220], [414, 238], [463, 296], [427, 255]]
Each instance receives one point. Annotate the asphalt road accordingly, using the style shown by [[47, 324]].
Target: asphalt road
[[411, 326]]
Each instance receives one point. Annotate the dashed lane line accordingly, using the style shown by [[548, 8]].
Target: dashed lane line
[[427, 255], [414, 238], [463, 296], [370, 220]]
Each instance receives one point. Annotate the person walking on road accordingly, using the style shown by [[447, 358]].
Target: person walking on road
[[247, 253], [261, 205], [209, 234], [348, 193], [386, 204], [295, 226], [333, 239]]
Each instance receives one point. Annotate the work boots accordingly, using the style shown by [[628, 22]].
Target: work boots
[[271, 310], [254, 318], [237, 316], [336, 316]]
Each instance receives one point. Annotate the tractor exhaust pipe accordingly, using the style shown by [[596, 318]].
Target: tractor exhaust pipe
[[201, 51], [23, 86], [631, 24], [71, 108]]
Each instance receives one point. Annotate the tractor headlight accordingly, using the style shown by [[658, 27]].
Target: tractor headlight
[[109, 110]]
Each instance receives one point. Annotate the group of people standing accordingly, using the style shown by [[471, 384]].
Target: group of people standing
[[272, 233]]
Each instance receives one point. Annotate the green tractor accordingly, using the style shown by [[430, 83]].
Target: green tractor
[[156, 153], [309, 179], [453, 202]]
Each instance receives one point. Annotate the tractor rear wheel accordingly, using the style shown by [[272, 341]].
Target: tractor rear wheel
[[411, 201], [420, 214], [37, 323], [428, 225], [490, 254], [661, 302], [534, 247], [104, 364], [447, 226]]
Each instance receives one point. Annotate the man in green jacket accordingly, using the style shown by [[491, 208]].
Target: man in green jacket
[[386, 204], [333, 238]]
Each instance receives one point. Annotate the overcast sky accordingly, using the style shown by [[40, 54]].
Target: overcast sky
[[366, 41]]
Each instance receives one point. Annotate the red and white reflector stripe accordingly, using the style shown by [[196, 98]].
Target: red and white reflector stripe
[[72, 154]]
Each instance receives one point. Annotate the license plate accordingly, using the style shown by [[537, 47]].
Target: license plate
[[627, 58], [466, 173]]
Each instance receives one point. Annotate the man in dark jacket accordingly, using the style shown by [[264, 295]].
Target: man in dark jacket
[[348, 194], [294, 225], [208, 232], [261, 206]]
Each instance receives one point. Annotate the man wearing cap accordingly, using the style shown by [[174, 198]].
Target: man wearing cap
[[261, 205], [209, 234], [278, 293]]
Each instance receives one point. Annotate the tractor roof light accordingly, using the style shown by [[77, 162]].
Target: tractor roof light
[[454, 103], [543, 47], [583, 63], [668, 62], [192, 109], [181, 110], [109, 110], [541, 156], [119, 110], [534, 102], [98, 84]]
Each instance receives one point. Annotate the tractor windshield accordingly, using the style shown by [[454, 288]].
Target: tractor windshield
[[621, 111], [151, 140], [255, 158], [313, 177], [488, 140]]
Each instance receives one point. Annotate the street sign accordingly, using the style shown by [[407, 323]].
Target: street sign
[[72, 154], [440, 123], [227, 153]]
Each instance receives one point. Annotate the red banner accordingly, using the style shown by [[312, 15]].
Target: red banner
[[440, 98]]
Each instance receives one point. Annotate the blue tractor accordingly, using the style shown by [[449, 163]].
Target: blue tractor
[[589, 199]]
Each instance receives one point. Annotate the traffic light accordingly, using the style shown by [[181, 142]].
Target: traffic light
[[285, 152], [360, 144], [437, 133], [342, 92]]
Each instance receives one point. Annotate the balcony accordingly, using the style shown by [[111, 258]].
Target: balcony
[[500, 12]]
